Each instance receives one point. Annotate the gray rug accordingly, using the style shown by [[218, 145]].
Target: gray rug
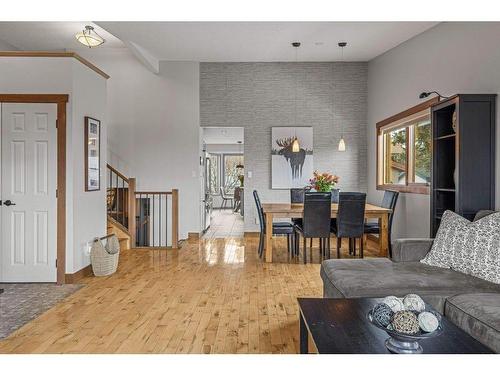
[[21, 303]]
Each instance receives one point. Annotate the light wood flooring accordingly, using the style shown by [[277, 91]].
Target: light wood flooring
[[211, 296]]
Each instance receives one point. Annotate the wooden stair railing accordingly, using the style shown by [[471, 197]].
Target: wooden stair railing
[[145, 215]]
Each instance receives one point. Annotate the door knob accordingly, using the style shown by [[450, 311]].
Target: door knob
[[8, 203]]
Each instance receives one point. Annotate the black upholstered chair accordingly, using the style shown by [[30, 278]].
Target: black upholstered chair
[[350, 220], [315, 222], [389, 201], [279, 228]]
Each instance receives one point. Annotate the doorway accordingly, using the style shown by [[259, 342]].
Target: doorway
[[223, 188], [33, 187]]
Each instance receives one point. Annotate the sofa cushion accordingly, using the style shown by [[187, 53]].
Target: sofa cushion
[[477, 314], [380, 277], [450, 239]]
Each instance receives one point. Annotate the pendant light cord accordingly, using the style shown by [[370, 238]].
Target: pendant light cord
[[341, 96]]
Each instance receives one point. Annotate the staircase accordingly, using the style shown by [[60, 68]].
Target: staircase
[[141, 218], [121, 233]]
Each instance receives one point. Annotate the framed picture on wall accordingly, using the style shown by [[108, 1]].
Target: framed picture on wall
[[291, 167], [92, 154]]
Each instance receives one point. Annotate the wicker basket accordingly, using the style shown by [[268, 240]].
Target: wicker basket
[[104, 260]]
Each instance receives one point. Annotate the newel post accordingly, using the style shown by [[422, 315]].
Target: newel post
[[131, 211], [175, 218]]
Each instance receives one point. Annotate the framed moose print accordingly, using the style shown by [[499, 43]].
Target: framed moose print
[[92, 154]]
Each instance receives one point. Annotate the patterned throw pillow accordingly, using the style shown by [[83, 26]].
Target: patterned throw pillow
[[448, 240], [472, 248]]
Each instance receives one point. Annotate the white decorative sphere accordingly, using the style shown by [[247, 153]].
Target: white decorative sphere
[[427, 321], [394, 303], [413, 302]]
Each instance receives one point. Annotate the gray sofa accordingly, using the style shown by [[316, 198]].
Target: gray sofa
[[470, 303]]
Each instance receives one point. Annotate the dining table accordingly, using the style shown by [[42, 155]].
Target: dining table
[[296, 210]]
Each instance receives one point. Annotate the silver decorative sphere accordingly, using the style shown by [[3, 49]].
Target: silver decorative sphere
[[413, 302], [405, 322], [382, 314], [428, 322], [394, 303]]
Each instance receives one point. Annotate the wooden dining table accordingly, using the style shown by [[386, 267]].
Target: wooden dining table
[[295, 211]]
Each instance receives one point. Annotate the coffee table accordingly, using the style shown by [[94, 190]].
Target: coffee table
[[340, 326]]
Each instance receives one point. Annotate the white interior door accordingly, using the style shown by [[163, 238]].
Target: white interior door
[[28, 192]]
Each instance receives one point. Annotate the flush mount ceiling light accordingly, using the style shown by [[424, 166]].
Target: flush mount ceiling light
[[88, 37]]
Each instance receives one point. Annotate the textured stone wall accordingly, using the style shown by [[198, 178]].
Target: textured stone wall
[[258, 96]]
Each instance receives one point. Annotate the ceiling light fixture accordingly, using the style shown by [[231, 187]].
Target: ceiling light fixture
[[342, 142], [240, 165], [88, 37], [295, 142]]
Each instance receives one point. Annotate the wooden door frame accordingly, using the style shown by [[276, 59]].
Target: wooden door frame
[[60, 100]]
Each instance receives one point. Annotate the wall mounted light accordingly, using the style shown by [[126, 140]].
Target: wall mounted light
[[424, 95]]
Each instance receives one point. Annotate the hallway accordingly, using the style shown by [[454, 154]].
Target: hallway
[[225, 223]]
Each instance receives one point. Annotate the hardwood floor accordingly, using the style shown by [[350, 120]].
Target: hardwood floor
[[211, 296]]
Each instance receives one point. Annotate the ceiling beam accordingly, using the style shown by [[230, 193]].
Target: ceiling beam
[[146, 58]]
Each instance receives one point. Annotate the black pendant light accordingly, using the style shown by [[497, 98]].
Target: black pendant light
[[295, 142], [342, 141]]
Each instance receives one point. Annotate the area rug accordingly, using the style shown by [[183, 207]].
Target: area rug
[[21, 303]]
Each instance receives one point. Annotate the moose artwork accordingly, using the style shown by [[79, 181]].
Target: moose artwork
[[291, 169]]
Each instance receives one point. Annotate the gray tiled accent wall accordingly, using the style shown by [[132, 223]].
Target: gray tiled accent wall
[[258, 96]]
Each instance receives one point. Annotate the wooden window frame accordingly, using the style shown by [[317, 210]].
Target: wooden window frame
[[410, 186]]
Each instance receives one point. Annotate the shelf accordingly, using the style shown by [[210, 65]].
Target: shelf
[[445, 190], [448, 136]]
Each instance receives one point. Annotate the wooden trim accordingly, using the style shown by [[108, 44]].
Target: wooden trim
[[34, 98], [72, 278], [60, 100], [54, 54], [86, 152], [175, 218], [132, 207], [410, 187], [193, 236], [155, 192], [61, 192], [408, 112], [122, 176]]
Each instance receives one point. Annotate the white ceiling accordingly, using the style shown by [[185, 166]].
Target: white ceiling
[[265, 41], [222, 136], [224, 41], [48, 36]]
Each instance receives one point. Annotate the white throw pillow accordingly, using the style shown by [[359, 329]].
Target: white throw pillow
[[472, 248]]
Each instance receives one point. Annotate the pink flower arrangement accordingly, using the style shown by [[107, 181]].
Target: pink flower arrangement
[[323, 181]]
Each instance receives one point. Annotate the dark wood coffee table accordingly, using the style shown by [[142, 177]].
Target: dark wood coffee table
[[340, 326]]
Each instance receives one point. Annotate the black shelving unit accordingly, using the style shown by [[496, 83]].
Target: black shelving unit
[[463, 159]]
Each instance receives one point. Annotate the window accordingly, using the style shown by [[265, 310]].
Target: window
[[214, 174], [404, 150], [231, 172]]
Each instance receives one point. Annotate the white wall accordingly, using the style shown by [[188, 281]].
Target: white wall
[[154, 126], [85, 211], [450, 58]]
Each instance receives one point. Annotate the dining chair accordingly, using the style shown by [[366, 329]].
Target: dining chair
[[279, 228], [237, 198], [225, 198], [315, 222], [350, 220], [389, 201]]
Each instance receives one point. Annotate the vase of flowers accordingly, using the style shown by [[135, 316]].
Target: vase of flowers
[[324, 182]]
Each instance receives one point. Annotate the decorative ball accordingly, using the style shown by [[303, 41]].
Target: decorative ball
[[405, 322], [413, 302], [382, 314], [394, 303], [427, 321]]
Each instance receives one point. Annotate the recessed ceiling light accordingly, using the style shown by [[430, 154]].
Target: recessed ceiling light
[[88, 37]]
